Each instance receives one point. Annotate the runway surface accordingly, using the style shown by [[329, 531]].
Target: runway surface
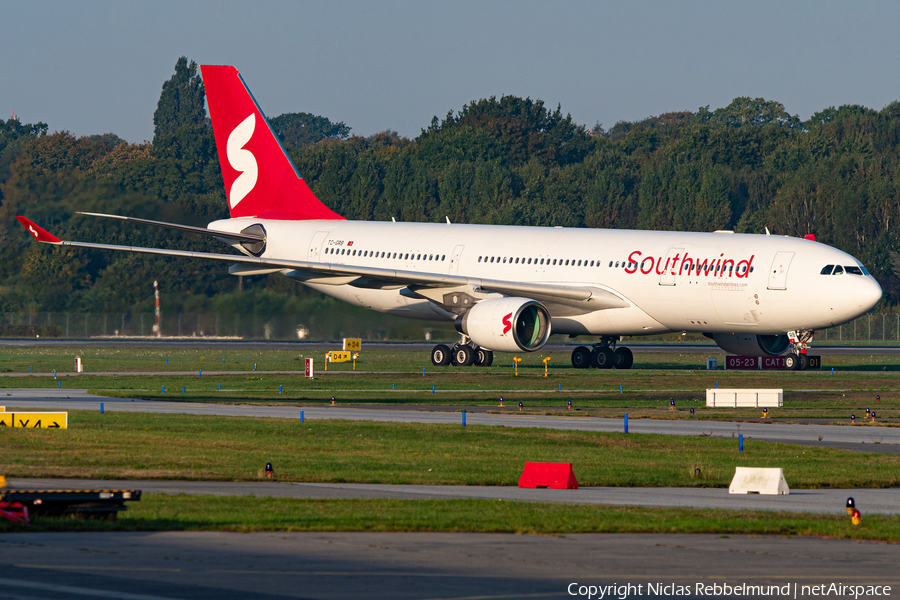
[[401, 566], [192, 343], [870, 501], [862, 437]]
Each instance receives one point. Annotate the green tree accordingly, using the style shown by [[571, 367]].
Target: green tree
[[181, 102], [298, 130]]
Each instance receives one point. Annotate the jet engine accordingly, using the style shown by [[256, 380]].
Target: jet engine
[[747, 344], [506, 324]]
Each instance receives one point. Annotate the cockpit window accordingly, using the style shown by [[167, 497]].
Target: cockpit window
[[826, 270], [838, 270], [853, 270]]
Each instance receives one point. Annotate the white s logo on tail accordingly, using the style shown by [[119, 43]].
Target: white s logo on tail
[[242, 160]]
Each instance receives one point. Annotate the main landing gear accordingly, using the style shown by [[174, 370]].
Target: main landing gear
[[463, 354], [604, 355], [796, 359]]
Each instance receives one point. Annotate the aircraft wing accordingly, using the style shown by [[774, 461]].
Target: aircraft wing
[[583, 297]]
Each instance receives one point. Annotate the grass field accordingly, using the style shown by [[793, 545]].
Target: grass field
[[218, 513], [645, 392], [153, 446], [44, 359]]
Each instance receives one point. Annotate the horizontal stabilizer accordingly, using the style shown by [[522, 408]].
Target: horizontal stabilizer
[[227, 235]]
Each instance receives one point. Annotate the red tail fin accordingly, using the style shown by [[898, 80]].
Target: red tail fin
[[260, 179]]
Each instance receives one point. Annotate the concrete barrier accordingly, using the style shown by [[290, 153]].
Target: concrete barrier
[[750, 480], [737, 398], [555, 476]]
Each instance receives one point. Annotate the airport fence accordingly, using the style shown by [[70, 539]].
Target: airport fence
[[214, 325], [874, 327]]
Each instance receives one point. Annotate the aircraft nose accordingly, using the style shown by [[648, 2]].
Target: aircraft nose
[[868, 292]]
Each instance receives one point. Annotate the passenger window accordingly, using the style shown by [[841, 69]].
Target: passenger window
[[826, 270], [542, 261], [853, 270], [479, 259], [838, 270], [554, 262]]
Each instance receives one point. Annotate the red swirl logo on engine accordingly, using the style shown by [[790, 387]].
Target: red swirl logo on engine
[[507, 325]]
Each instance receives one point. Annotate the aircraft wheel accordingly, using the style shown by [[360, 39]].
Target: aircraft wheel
[[623, 358], [581, 358], [483, 358], [792, 361], [441, 355], [464, 356], [603, 358], [804, 362]]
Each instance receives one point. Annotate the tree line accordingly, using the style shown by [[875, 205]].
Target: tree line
[[509, 160]]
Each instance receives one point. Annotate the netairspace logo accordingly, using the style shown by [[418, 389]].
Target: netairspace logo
[[724, 590]]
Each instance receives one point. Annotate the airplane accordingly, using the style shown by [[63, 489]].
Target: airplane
[[507, 288]]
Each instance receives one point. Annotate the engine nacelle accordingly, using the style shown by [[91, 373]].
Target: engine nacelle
[[748, 344], [507, 324]]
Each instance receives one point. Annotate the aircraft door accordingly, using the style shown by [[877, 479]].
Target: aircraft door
[[315, 246], [454, 260], [779, 270], [667, 277]]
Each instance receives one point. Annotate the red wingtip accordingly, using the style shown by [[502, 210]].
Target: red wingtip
[[810, 236], [39, 233]]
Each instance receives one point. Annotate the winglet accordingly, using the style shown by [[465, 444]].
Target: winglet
[[39, 233]]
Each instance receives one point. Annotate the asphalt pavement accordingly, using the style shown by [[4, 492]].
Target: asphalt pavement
[[423, 566], [870, 501]]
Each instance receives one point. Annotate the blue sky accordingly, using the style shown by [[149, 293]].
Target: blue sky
[[97, 67]]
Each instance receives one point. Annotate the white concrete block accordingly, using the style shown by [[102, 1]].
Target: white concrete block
[[751, 480], [745, 398]]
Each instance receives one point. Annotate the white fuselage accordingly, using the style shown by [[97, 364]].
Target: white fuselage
[[761, 284]]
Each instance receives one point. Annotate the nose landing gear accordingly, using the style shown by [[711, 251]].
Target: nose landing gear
[[796, 359], [603, 355]]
